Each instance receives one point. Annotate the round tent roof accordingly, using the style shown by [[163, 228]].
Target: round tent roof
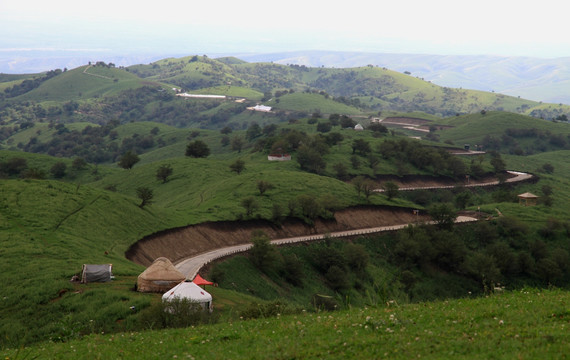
[[188, 290], [160, 276]]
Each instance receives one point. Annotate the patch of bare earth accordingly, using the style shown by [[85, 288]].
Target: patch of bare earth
[[181, 243], [185, 242]]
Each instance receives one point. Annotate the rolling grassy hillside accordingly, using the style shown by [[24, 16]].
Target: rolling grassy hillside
[[528, 324], [81, 83], [49, 228], [474, 127], [311, 103]]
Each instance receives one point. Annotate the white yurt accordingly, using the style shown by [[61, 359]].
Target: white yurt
[[192, 292]]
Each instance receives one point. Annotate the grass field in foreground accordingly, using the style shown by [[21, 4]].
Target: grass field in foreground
[[527, 324]]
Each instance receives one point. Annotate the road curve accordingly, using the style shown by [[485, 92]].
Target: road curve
[[191, 266]]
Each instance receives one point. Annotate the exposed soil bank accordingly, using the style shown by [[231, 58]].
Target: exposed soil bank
[[181, 243]]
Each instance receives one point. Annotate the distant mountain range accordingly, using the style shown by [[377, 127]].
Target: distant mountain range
[[538, 79], [546, 80]]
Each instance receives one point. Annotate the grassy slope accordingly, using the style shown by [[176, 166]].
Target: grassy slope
[[527, 324], [312, 103], [48, 230], [83, 82], [359, 82], [473, 128]]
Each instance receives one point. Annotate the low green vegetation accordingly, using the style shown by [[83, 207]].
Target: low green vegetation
[[96, 158], [528, 323]]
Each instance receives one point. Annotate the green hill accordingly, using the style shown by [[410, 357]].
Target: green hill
[[52, 222], [528, 323], [82, 83]]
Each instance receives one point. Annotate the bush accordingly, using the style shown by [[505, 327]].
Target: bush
[[263, 253], [337, 279], [324, 302], [197, 149], [176, 313], [292, 269], [272, 309], [356, 257]]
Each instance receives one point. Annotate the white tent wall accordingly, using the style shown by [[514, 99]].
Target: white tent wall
[[190, 291]]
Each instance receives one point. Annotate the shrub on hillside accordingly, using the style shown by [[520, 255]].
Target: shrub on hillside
[[271, 309], [177, 313]]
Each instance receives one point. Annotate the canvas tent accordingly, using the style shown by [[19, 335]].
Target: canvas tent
[[190, 291], [160, 276], [96, 273]]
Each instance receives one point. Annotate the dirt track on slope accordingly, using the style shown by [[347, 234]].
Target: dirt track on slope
[[182, 243], [178, 244]]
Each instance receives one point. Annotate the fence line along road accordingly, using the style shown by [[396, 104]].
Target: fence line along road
[[190, 266]]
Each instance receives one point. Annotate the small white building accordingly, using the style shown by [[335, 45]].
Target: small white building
[[261, 108], [358, 127], [201, 96], [279, 157]]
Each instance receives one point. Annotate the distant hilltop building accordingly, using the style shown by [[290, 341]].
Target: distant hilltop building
[[358, 127], [279, 157], [201, 96], [261, 108]]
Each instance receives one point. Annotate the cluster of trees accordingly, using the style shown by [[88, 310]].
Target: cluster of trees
[[340, 266], [503, 251], [421, 262], [28, 85], [96, 144], [436, 160], [18, 167], [526, 141]]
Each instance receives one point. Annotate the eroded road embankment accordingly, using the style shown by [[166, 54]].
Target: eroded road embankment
[[192, 247]]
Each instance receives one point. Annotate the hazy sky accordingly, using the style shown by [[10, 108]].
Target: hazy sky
[[118, 27]]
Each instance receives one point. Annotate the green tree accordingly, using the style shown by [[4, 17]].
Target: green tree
[[497, 162], [443, 214], [358, 183], [462, 199], [264, 186], [263, 253], [356, 257], [548, 168], [145, 194], [128, 160], [310, 207], [237, 166], [324, 127], [390, 189], [79, 163], [484, 269], [361, 146], [250, 204], [237, 143], [337, 279], [253, 131], [164, 172], [58, 169], [368, 187], [341, 171], [197, 149], [310, 160]]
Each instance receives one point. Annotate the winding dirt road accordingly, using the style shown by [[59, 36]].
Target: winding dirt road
[[190, 266]]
